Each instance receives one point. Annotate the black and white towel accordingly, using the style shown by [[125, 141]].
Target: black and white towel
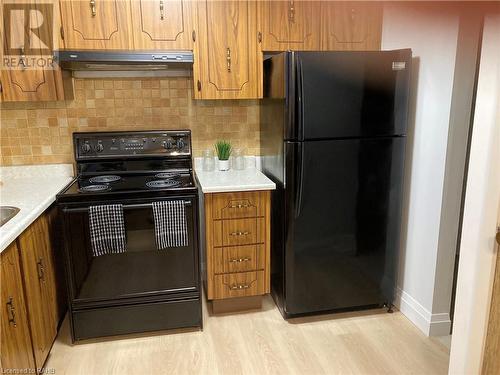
[[107, 229], [170, 224]]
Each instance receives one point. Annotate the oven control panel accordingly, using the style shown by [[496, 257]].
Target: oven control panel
[[99, 145]]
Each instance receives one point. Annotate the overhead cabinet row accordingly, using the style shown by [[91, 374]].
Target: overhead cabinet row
[[276, 25], [227, 37]]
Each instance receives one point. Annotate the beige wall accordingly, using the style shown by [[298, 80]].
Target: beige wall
[[37, 133]]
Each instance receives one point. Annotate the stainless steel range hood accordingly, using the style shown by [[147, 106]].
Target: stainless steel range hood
[[124, 60]]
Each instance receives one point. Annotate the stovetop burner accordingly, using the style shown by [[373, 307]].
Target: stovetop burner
[[104, 179], [94, 188], [158, 184], [168, 175]]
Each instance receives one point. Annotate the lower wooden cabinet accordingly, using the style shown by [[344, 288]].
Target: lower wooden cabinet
[[31, 302], [39, 280], [16, 351], [237, 235]]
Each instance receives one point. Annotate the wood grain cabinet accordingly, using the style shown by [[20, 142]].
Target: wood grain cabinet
[[39, 280], [351, 26], [227, 60], [237, 229], [293, 25], [16, 351], [32, 305], [31, 75], [162, 24], [96, 24]]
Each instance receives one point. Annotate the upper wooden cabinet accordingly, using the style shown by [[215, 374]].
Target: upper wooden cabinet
[[228, 63], [96, 24], [27, 73], [293, 25], [159, 24], [15, 347], [34, 84], [352, 26]]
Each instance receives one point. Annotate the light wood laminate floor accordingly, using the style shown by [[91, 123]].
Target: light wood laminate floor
[[261, 342]]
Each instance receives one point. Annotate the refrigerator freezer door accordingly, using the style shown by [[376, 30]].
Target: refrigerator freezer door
[[349, 94], [342, 222]]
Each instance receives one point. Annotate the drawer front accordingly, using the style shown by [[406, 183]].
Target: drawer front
[[239, 285], [239, 259], [238, 205], [238, 232]]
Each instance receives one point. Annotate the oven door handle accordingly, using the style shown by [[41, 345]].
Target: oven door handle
[[125, 207]]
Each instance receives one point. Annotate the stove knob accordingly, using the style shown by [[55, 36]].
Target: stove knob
[[85, 148], [99, 147], [168, 144], [180, 144]]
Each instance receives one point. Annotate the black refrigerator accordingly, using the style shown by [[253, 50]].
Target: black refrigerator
[[333, 127]]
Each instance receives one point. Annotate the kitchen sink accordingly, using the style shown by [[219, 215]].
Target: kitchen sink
[[7, 213]]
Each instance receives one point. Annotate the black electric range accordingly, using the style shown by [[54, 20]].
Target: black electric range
[[142, 288]]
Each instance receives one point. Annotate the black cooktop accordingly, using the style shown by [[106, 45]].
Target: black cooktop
[[108, 184]]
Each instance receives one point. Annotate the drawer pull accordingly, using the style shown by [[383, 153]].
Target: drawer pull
[[239, 206], [239, 286], [239, 260], [239, 233], [11, 312]]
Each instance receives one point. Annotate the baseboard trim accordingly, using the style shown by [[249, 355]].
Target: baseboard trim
[[430, 324]]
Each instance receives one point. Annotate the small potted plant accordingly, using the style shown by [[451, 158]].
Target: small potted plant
[[223, 150]]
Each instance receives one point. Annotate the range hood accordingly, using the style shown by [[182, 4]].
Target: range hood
[[124, 60]]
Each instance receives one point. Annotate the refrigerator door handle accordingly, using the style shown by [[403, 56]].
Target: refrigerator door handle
[[299, 178], [300, 101]]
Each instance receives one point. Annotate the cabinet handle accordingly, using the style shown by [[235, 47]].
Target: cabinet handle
[[11, 312], [22, 58], [239, 286], [239, 233], [92, 8], [259, 37], [198, 85], [162, 15], [292, 11], [353, 14], [228, 59], [40, 269], [239, 206], [240, 260]]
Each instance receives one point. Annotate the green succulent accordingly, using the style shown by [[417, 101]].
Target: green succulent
[[223, 149]]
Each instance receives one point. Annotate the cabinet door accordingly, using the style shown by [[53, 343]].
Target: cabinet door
[[96, 24], [162, 24], [16, 352], [31, 76], [290, 25], [38, 273], [228, 64], [351, 26]]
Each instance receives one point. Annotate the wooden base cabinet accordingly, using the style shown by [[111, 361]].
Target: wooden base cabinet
[[15, 349], [237, 235], [39, 280], [31, 300]]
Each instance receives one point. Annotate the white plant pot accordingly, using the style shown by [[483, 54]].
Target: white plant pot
[[223, 165]]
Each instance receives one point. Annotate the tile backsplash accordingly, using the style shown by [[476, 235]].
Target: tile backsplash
[[40, 132]]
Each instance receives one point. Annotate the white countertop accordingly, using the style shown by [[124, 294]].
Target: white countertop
[[233, 180], [31, 188]]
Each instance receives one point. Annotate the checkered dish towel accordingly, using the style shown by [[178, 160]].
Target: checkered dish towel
[[107, 229], [170, 224]]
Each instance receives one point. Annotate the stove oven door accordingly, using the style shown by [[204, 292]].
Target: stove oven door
[[142, 273]]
